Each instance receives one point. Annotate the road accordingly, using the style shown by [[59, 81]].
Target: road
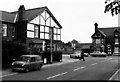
[[94, 68]]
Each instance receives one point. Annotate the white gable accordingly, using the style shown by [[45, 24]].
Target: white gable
[[35, 20], [44, 19]]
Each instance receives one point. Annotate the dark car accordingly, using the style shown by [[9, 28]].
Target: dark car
[[27, 63]]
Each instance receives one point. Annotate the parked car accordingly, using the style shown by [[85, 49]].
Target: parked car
[[76, 54], [27, 63], [98, 54]]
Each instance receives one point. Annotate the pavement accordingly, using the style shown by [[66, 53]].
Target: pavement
[[115, 76]]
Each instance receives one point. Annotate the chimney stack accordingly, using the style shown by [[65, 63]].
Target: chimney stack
[[21, 26], [21, 13], [96, 26]]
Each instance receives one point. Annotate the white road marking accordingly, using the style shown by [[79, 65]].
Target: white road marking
[[109, 58], [106, 59], [111, 78], [93, 64], [79, 68], [57, 75], [8, 75]]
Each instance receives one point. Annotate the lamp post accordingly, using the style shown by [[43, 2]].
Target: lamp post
[[51, 34]]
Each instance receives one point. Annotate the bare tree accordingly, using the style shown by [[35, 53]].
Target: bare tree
[[113, 6]]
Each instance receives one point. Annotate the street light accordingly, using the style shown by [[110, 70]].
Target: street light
[[51, 34]]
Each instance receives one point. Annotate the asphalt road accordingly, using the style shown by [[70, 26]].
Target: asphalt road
[[94, 68]]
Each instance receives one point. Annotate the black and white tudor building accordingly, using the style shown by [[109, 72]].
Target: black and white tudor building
[[34, 27]]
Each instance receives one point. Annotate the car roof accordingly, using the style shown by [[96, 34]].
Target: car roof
[[31, 55]]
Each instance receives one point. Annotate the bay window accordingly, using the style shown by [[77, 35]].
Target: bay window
[[36, 28], [4, 29], [116, 41]]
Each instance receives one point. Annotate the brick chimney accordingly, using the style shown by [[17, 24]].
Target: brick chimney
[[96, 27], [21, 13], [21, 26]]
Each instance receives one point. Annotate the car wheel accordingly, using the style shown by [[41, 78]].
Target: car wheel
[[39, 67], [26, 69], [13, 70]]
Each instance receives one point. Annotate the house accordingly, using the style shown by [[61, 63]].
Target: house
[[85, 47], [35, 27], [106, 40]]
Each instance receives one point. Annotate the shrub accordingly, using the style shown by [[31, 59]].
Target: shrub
[[56, 55], [12, 50]]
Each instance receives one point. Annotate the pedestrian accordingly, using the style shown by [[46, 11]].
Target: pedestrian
[[82, 56]]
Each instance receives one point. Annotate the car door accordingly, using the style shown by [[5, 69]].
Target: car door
[[33, 63], [38, 61]]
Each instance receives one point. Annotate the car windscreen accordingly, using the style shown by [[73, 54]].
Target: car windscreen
[[24, 58]]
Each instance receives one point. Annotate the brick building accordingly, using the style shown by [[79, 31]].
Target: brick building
[[106, 40]]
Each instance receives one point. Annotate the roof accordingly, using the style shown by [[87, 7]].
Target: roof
[[85, 45], [109, 31], [30, 14], [7, 17]]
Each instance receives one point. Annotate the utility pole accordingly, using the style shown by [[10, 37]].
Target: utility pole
[[51, 34]]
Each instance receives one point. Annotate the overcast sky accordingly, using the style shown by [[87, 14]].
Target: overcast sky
[[77, 17]]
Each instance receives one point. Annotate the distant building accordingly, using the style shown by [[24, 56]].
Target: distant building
[[35, 27], [106, 40], [85, 47]]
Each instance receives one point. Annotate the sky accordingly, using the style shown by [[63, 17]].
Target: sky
[[77, 17]]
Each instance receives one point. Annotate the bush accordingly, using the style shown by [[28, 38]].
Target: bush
[[56, 55], [12, 50]]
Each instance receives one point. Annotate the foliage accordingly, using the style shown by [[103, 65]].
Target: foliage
[[56, 55], [113, 6], [12, 50]]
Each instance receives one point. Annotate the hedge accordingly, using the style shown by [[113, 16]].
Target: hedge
[[12, 50], [56, 55]]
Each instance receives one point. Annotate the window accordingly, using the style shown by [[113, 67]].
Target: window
[[33, 59], [46, 36], [102, 40], [36, 31], [30, 34], [4, 29], [41, 28], [30, 27], [116, 34], [97, 41], [58, 37], [58, 31], [55, 37], [46, 29], [42, 35], [116, 49], [116, 41], [55, 31]]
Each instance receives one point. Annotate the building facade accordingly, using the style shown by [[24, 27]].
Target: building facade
[[106, 40], [35, 27]]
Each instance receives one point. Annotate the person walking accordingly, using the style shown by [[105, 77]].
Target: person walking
[[82, 56]]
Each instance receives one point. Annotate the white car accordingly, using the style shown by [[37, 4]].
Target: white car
[[85, 54], [76, 54]]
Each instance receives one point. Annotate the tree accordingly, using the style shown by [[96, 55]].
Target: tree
[[113, 6], [74, 43]]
